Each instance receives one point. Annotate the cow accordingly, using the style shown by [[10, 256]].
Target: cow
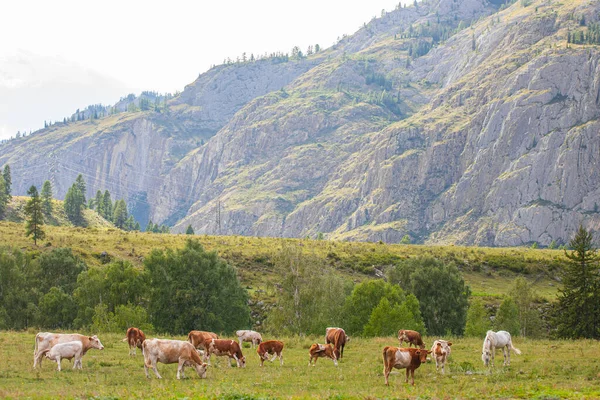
[[197, 338], [170, 352], [411, 337], [224, 347], [274, 347], [134, 337], [338, 337], [409, 358], [44, 341], [248, 336], [68, 350], [440, 350], [321, 350]]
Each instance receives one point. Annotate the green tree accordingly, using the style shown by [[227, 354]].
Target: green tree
[[47, 198], [478, 322], [57, 310], [150, 226], [3, 198], [529, 317], [507, 317], [312, 294], [386, 319], [120, 214], [99, 203], [75, 202], [191, 288], [405, 239], [107, 206], [365, 296], [18, 289], [7, 181], [189, 230], [81, 187], [578, 309], [35, 217], [130, 223]]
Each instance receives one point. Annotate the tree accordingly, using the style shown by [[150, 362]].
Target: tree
[[99, 202], [35, 217], [47, 198], [150, 226], [107, 206], [507, 317], [191, 288], [73, 205], [405, 239], [385, 320], [189, 230], [528, 316], [81, 187], [578, 309], [3, 198], [56, 309], [7, 181], [120, 214], [478, 322], [59, 268]]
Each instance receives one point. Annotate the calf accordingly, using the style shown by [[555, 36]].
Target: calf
[[44, 341], [134, 337], [197, 338], [411, 337], [338, 337], [395, 357], [170, 352], [224, 347], [248, 336], [321, 350], [274, 347], [441, 351], [68, 350]]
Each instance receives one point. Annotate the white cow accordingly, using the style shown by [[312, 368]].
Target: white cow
[[44, 341], [67, 350], [440, 350], [170, 352], [249, 336]]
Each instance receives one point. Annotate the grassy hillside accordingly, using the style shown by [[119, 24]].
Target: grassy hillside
[[111, 373]]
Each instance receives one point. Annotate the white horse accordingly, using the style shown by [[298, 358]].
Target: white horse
[[494, 340]]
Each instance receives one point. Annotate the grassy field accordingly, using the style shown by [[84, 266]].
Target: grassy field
[[545, 370]]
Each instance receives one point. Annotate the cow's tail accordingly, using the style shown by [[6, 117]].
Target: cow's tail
[[513, 348], [190, 338], [35, 348]]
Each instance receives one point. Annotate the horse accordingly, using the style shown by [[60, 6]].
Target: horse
[[494, 340]]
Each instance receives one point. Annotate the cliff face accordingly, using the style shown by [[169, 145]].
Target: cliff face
[[490, 137]]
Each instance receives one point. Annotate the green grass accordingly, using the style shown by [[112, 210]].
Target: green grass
[[547, 369]]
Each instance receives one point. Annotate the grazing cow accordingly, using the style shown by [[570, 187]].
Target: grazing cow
[[44, 341], [494, 340], [441, 351], [338, 337], [68, 350], [170, 352], [274, 347], [409, 358], [225, 347], [321, 350], [410, 337], [197, 338], [134, 337], [248, 336]]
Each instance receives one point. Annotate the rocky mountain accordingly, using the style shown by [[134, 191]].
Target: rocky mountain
[[452, 121]]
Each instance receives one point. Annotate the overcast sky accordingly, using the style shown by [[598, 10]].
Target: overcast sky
[[56, 56]]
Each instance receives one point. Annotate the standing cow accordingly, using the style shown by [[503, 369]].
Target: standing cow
[[338, 337], [321, 350], [395, 357], [274, 347], [224, 347], [440, 351], [67, 350], [170, 352], [197, 338], [44, 341], [410, 337], [134, 337], [248, 336]]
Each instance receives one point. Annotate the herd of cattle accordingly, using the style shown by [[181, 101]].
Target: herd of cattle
[[197, 350]]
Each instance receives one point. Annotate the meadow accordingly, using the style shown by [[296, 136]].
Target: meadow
[[545, 370]]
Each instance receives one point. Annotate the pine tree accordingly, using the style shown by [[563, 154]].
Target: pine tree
[[33, 210], [99, 202], [3, 198], [81, 188], [578, 310], [7, 181], [189, 230], [47, 198], [137, 226], [120, 214], [107, 206], [150, 226]]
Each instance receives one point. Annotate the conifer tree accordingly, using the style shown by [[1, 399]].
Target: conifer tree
[[35, 218], [99, 202], [47, 198], [189, 230], [107, 206], [7, 181], [81, 188], [150, 226], [120, 214], [3, 198]]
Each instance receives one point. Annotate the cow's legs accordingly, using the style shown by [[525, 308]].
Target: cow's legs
[[506, 351], [155, 369], [407, 375], [412, 374], [58, 362], [386, 374], [280, 358], [180, 368], [37, 359]]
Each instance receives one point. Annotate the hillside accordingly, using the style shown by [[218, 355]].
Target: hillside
[[452, 121]]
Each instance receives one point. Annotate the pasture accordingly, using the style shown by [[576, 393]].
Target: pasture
[[546, 369]]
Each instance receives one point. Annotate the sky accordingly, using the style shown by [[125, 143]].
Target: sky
[[57, 56]]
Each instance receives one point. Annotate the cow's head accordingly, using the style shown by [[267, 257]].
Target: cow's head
[[486, 353], [201, 369], [95, 343], [422, 354], [242, 362]]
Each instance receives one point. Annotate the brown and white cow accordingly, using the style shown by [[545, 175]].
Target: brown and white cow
[[44, 341], [67, 350], [265, 349], [338, 337], [321, 350], [197, 338], [134, 337], [440, 351], [170, 352], [224, 347], [409, 358], [410, 337], [248, 336]]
